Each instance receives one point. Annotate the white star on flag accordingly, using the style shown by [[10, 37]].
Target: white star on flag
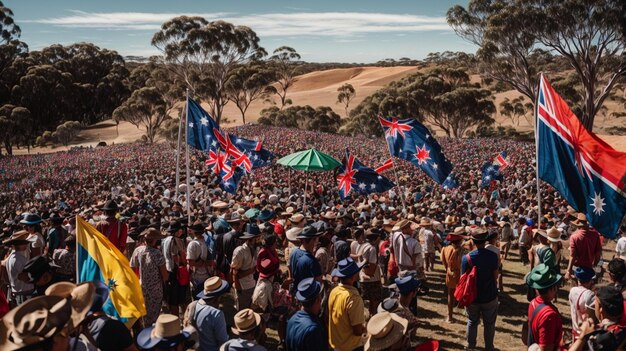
[[214, 143], [190, 124], [204, 121], [373, 186], [598, 204], [435, 166], [380, 177], [362, 186]]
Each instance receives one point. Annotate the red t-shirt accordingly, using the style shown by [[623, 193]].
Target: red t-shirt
[[547, 326], [585, 244], [110, 230]]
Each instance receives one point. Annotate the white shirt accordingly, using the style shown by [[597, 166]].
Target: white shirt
[[197, 250], [244, 260], [580, 298], [620, 248], [404, 256], [369, 255], [15, 266]]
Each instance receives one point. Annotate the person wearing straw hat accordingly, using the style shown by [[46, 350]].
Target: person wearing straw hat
[[248, 328], [113, 229], [206, 316], [407, 250], [165, 334], [541, 252], [585, 246], [149, 264], [243, 266], [304, 329], [545, 325], [582, 298], [20, 290], [451, 260], [345, 305], [486, 302], [386, 332]]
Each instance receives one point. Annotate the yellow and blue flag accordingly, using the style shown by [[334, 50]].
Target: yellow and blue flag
[[99, 260]]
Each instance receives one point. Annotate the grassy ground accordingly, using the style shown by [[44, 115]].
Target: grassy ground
[[451, 336]]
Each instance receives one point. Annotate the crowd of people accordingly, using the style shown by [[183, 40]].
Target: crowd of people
[[324, 274]]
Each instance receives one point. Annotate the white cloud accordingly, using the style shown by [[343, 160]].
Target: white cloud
[[337, 24]]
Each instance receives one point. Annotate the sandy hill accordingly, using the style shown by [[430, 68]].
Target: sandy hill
[[320, 89]]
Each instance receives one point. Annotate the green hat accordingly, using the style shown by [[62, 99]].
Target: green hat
[[542, 277]]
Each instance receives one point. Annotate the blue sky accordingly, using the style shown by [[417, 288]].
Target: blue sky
[[320, 30]]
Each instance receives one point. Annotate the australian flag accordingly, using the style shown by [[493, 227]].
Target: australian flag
[[354, 176], [410, 140], [585, 170], [501, 160], [490, 172], [450, 182], [200, 127]]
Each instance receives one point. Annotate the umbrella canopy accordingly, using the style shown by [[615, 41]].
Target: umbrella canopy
[[310, 160]]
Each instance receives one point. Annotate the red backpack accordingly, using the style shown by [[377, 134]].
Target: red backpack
[[465, 292]]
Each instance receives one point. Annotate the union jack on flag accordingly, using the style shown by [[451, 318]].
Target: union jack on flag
[[584, 169], [501, 160], [355, 177], [385, 166]]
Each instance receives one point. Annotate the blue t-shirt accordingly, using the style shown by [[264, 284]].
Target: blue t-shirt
[[486, 263], [303, 265], [305, 332]]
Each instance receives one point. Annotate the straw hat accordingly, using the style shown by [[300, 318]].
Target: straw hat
[[425, 222], [245, 321], [165, 332], [401, 224], [82, 296], [219, 204], [581, 220], [292, 233], [152, 233], [18, 238], [296, 218], [554, 235], [213, 287], [385, 329]]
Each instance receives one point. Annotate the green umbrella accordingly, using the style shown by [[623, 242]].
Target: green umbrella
[[310, 160]]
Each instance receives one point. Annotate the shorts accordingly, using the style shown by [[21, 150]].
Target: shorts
[[372, 291], [174, 293]]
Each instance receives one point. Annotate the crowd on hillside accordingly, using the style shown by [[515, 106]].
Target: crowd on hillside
[[325, 273]]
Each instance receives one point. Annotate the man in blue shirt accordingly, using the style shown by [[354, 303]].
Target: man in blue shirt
[[304, 328], [486, 302], [206, 316], [302, 262]]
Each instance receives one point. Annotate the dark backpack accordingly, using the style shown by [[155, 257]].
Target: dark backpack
[[465, 292]]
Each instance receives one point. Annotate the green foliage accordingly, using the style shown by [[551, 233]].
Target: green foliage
[[284, 60], [442, 97], [345, 96], [516, 109], [205, 54], [247, 84], [65, 132], [321, 119], [13, 121], [169, 131], [146, 109]]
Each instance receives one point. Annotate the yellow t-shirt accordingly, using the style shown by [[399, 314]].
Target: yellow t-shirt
[[346, 309]]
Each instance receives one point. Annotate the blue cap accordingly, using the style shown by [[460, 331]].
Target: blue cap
[[584, 274], [308, 289]]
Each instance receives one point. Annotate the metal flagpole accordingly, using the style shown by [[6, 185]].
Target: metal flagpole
[[187, 161], [76, 252], [395, 173], [180, 127], [537, 155]]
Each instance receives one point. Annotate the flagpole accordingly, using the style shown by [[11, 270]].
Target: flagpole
[[187, 161], [180, 126], [76, 252], [537, 155], [395, 172]]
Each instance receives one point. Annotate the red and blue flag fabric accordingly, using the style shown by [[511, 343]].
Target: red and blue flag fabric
[[584, 169], [355, 177], [385, 166], [501, 160], [451, 182], [491, 173], [200, 127], [410, 140]]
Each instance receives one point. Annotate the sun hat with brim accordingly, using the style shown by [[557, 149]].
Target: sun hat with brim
[[389, 304], [268, 268], [220, 226], [581, 220], [584, 274], [542, 277], [554, 234], [347, 268], [292, 233], [406, 284], [252, 213], [479, 234], [309, 232], [308, 290], [110, 206], [296, 218], [81, 295], [401, 224], [425, 222], [165, 333], [37, 267], [219, 205], [454, 237], [34, 321], [459, 231], [18, 238], [152, 234], [213, 287], [540, 232], [197, 227], [384, 330], [251, 231], [30, 219], [245, 321], [266, 215]]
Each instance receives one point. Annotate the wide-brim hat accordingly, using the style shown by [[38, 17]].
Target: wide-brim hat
[[459, 230], [251, 231], [296, 218], [479, 234], [454, 237], [554, 234], [424, 222], [110, 205], [198, 227], [389, 304], [36, 267], [450, 220], [36, 320], [82, 297], [31, 219], [542, 277], [347, 268], [252, 213], [401, 224], [584, 274], [151, 234], [219, 204], [385, 329], [329, 215], [165, 333], [266, 215], [308, 290], [293, 232], [581, 220], [309, 232], [213, 287], [175, 226], [17, 238], [245, 321]]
